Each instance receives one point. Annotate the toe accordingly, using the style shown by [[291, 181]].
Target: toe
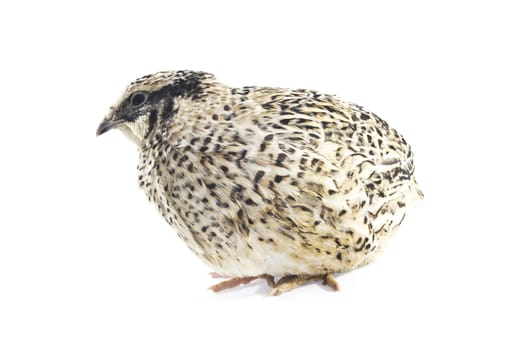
[[231, 283], [330, 280]]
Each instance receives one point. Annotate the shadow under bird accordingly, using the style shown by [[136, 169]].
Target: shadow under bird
[[288, 185]]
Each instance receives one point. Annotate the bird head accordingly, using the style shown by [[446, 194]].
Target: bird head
[[152, 99]]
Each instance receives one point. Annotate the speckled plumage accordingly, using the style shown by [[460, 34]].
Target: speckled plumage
[[266, 181]]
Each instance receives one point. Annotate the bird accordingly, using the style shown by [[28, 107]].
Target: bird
[[280, 184]]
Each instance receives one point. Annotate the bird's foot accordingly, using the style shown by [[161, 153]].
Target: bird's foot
[[238, 281], [287, 283]]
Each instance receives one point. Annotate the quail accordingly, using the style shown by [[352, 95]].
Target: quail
[[287, 185]]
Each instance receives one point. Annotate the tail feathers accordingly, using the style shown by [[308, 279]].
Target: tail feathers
[[415, 195]]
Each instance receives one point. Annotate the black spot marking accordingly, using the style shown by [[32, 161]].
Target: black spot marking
[[236, 192], [182, 160], [287, 235], [258, 176], [242, 155], [304, 208], [222, 204], [268, 137], [249, 201], [280, 158]]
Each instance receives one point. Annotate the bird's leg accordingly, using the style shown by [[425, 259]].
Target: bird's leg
[[287, 283], [232, 282]]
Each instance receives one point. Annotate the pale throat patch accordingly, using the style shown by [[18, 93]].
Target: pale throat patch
[[136, 130]]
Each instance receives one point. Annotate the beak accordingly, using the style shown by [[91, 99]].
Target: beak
[[109, 122], [107, 125]]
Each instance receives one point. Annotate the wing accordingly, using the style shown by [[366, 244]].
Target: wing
[[321, 162]]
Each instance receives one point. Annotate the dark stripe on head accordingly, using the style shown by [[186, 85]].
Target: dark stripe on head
[[151, 122], [188, 85], [167, 111]]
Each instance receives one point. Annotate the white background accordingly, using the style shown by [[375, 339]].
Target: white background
[[87, 263]]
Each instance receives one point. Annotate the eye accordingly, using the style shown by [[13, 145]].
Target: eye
[[138, 98]]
